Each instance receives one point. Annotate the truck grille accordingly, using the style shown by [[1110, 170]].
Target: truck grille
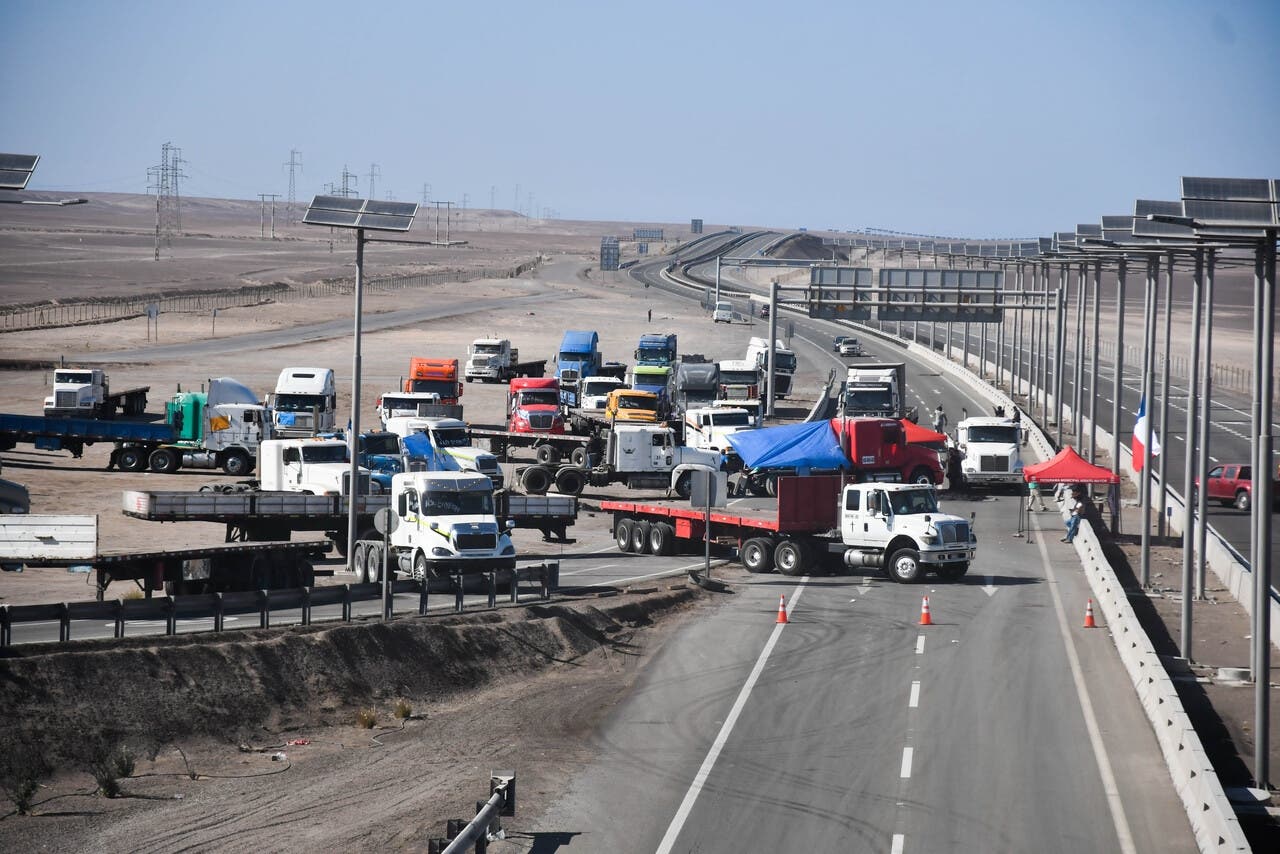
[[64, 399], [476, 541], [993, 463], [954, 533], [540, 420]]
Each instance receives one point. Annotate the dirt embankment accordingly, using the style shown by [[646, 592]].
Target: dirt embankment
[[519, 687]]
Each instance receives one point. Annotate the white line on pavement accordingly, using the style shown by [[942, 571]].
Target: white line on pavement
[[699, 780], [920, 645], [899, 841], [914, 702], [906, 763]]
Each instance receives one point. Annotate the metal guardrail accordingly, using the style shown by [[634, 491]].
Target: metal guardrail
[[486, 825], [218, 605]]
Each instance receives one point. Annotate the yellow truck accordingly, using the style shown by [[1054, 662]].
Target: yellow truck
[[627, 404]]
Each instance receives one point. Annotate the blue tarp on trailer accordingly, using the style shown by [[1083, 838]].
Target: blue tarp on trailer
[[792, 446]]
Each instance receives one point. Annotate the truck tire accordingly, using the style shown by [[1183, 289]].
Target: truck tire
[[622, 534], [579, 457], [373, 563], [684, 485], [757, 555], [1242, 500], [420, 570], [237, 463], [548, 455], [789, 557], [921, 475], [536, 480], [570, 481], [132, 459], [662, 539], [357, 563], [640, 537], [905, 567], [771, 485], [165, 461]]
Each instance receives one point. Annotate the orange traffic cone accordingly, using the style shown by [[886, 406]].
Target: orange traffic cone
[[925, 618], [782, 610], [1088, 616]]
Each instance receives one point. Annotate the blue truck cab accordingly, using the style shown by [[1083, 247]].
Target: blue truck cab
[[657, 350]]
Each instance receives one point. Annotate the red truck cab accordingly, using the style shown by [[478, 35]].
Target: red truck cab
[[533, 406], [435, 375], [878, 450], [1232, 484]]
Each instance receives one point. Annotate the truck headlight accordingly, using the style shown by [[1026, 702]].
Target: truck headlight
[[440, 551], [929, 539]]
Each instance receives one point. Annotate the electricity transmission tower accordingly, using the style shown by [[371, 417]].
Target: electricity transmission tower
[[374, 174], [349, 180], [164, 180], [295, 166], [426, 194]]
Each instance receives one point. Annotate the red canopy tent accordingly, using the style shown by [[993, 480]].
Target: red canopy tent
[[1068, 467]]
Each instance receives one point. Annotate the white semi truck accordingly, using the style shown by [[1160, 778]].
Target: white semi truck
[[494, 360], [305, 402], [784, 363], [990, 452], [311, 466], [449, 438], [86, 393]]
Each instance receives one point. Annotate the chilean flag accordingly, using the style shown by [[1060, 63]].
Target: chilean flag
[[1141, 430]]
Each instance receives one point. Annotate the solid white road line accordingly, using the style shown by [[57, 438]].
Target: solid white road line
[[906, 763], [699, 780], [914, 702], [1114, 801]]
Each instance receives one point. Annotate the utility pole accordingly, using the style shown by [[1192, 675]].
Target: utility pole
[[426, 194], [349, 180], [295, 166], [262, 219], [374, 174]]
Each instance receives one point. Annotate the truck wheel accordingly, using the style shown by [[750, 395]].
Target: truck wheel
[[373, 563], [640, 537], [536, 480], [548, 455], [357, 563], [921, 475], [237, 464], [570, 481], [1242, 500], [684, 485], [662, 539], [131, 459], [757, 555], [420, 570], [905, 567], [622, 534], [579, 457], [165, 461], [771, 485], [788, 557], [469, 379]]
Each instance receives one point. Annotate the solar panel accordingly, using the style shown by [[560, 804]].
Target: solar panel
[[1230, 213], [1142, 227], [343, 212], [1064, 240], [16, 169], [1045, 244], [1227, 189], [1088, 229]]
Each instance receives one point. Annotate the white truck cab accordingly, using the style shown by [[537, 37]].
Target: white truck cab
[[489, 358], [989, 451], [594, 391], [447, 525], [305, 402], [646, 456], [311, 466], [402, 404], [449, 439], [709, 428], [900, 528]]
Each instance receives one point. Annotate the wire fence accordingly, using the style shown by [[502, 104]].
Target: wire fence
[[78, 312]]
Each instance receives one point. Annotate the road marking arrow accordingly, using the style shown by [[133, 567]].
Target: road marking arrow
[[990, 588]]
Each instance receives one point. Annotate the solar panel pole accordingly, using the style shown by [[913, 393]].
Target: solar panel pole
[[1060, 346], [1117, 381], [1077, 393], [1148, 389], [353, 437], [1162, 523], [1188, 464], [1206, 395], [1263, 477], [1093, 363]]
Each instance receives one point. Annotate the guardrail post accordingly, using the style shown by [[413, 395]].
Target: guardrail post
[[218, 611], [119, 619], [264, 609], [346, 603], [515, 585], [458, 604], [306, 606], [171, 615], [493, 588], [6, 626], [422, 598], [64, 623]]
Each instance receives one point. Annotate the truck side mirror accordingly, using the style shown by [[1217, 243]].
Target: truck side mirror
[[402, 506]]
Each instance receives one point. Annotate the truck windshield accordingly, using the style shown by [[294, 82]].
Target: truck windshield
[[453, 437], [730, 419], [909, 502], [382, 443], [405, 404], [299, 402], [994, 433], [77, 377], [566, 356], [444, 388], [875, 400], [443, 503], [324, 454], [654, 354], [540, 397], [599, 386], [783, 361], [627, 401], [487, 349]]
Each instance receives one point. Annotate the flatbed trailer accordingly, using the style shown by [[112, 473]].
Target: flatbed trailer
[[274, 516], [548, 448], [803, 523], [60, 433]]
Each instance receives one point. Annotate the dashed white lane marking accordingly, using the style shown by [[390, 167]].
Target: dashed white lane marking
[[914, 702], [920, 645], [899, 841], [906, 763], [704, 772]]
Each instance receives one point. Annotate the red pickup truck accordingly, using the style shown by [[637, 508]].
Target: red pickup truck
[[1233, 484]]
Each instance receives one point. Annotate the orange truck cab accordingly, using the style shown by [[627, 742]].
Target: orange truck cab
[[533, 405], [439, 376], [631, 405]]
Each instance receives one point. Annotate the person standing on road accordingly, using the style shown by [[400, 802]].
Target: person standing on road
[[651, 315], [939, 420], [1034, 496], [1077, 510]]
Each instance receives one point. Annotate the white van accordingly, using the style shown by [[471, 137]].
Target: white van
[[723, 312]]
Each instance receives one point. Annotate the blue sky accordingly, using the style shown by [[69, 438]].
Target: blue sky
[[970, 119]]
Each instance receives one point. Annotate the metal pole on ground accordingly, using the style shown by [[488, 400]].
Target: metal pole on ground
[[353, 439], [1163, 430], [1263, 479], [1188, 464], [1093, 362], [1148, 384], [1206, 396], [1117, 384]]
